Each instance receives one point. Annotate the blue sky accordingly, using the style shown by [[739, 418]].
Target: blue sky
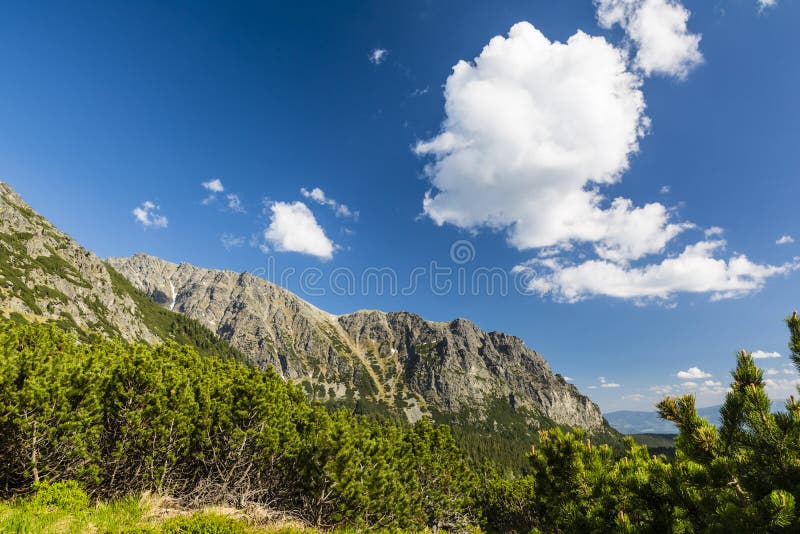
[[687, 112]]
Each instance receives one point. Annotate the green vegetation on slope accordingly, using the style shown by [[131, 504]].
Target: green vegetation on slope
[[169, 325], [124, 419], [504, 437]]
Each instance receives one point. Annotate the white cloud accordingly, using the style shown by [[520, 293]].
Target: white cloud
[[714, 231], [784, 240], [707, 393], [533, 128], [318, 195], [665, 190], [760, 354], [781, 388], [148, 215], [378, 56], [419, 92], [235, 203], [293, 228], [771, 372], [215, 185], [695, 270], [230, 241], [634, 397], [763, 4], [658, 31], [662, 390], [693, 373], [215, 188], [604, 383]]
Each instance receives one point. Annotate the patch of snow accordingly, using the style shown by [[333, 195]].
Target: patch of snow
[[174, 296]]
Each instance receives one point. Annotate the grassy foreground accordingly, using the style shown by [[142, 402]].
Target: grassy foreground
[[65, 508]]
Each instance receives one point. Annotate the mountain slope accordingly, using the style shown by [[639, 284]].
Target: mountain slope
[[46, 276], [394, 360]]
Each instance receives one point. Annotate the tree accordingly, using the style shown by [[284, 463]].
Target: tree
[[746, 477]]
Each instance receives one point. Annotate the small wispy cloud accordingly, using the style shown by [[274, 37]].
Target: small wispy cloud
[[148, 215], [419, 92], [634, 397], [761, 354], [604, 383], [785, 239], [693, 373], [235, 203], [764, 4], [318, 195], [665, 190], [378, 56], [214, 187], [230, 241]]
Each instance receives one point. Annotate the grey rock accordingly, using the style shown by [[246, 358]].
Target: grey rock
[[397, 358]]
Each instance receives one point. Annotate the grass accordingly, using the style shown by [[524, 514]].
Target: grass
[[65, 508]]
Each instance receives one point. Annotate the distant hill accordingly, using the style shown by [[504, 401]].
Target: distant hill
[[641, 422]]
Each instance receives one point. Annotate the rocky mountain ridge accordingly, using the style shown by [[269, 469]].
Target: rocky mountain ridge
[[396, 359]]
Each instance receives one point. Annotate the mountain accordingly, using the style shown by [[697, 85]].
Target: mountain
[[396, 360], [45, 276], [634, 422]]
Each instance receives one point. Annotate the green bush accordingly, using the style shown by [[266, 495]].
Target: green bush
[[203, 524], [121, 419], [66, 496]]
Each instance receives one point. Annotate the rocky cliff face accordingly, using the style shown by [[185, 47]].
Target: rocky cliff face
[[398, 360], [46, 276]]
